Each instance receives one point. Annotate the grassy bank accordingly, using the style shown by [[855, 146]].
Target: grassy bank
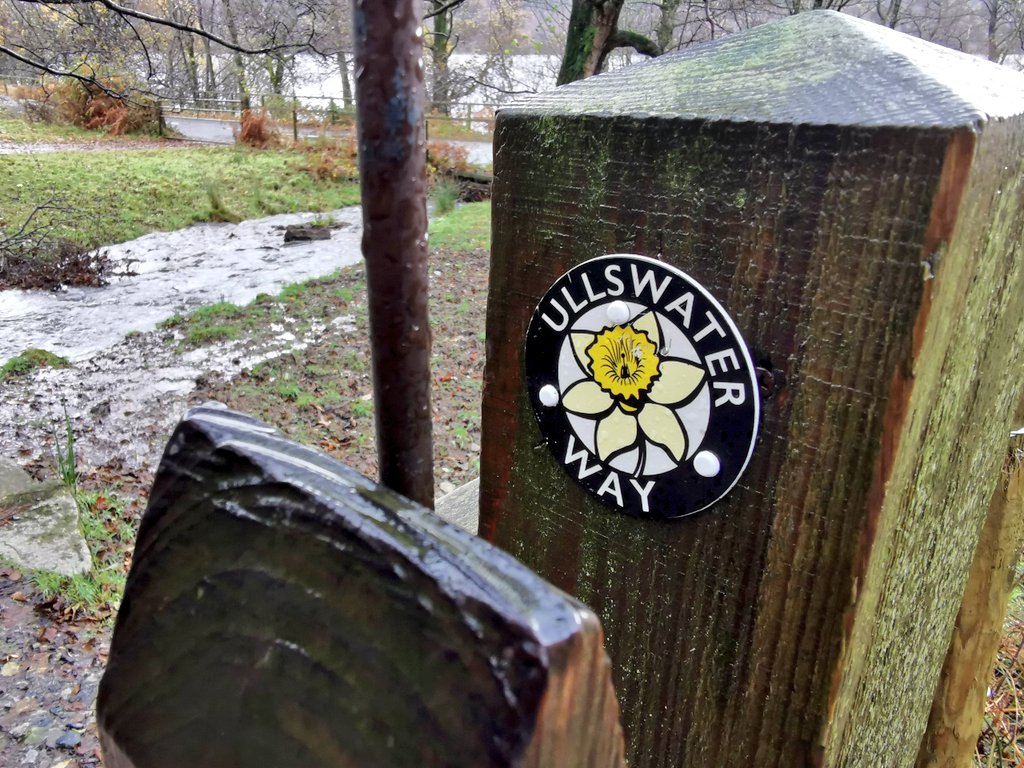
[[22, 131], [111, 197]]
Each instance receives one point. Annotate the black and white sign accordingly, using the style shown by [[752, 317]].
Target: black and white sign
[[642, 385]]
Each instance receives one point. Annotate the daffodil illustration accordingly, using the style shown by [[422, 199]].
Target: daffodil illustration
[[631, 387]]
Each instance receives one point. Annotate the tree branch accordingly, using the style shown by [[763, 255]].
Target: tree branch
[[641, 44], [181, 27], [443, 9], [89, 79]]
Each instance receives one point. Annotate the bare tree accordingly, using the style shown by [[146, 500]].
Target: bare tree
[[89, 40], [593, 34]]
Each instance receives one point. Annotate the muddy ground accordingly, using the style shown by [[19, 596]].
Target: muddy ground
[[299, 361]]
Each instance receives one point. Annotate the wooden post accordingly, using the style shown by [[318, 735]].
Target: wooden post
[[958, 708], [282, 610], [852, 196], [393, 182]]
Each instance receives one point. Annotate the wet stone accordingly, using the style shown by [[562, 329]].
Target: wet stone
[[69, 740], [39, 530], [35, 736], [297, 233], [13, 479]]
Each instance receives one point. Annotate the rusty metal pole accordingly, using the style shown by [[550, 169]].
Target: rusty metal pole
[[392, 166]]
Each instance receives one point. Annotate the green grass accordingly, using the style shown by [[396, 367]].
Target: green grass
[[222, 321], [22, 131], [466, 228], [29, 360], [108, 526], [126, 194]]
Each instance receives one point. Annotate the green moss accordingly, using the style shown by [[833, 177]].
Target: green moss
[[29, 360]]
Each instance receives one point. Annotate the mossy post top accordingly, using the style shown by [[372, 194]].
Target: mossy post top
[[815, 68]]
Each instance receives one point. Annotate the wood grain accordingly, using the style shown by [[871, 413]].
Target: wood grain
[[958, 709], [874, 262], [283, 610]]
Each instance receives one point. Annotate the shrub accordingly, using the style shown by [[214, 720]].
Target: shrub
[[257, 130], [28, 93], [107, 106], [333, 160], [445, 159], [444, 194]]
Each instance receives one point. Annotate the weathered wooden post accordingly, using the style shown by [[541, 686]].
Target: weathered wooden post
[[282, 610], [847, 200], [392, 174]]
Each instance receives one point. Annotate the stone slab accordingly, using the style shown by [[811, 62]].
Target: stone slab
[[13, 479], [461, 507], [39, 530]]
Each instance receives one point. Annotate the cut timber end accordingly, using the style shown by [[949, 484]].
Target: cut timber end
[[867, 241], [283, 610]]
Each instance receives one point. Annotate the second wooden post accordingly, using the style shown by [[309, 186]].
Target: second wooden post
[[843, 202]]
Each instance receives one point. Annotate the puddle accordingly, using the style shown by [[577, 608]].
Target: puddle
[[174, 272]]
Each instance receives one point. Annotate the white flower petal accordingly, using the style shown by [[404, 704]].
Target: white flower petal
[[662, 427], [580, 342], [678, 381], [615, 431], [586, 398], [648, 323]]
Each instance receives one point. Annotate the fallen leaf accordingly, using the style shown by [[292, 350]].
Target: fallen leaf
[[10, 669], [21, 597], [48, 634]]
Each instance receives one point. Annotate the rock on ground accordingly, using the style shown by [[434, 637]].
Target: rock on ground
[[39, 527]]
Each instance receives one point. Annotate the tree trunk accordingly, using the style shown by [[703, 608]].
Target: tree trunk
[[243, 87], [994, 50], [666, 23], [591, 26], [439, 53], [346, 83], [188, 53], [275, 66], [209, 78]]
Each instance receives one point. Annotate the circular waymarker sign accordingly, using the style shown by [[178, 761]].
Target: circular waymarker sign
[[643, 387]]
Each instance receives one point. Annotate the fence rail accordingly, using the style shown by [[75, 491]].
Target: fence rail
[[322, 115], [308, 116]]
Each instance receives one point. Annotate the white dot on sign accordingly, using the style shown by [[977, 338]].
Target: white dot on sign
[[618, 312], [549, 395], [706, 464]]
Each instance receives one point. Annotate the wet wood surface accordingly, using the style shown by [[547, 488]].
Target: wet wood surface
[[282, 610], [393, 185], [873, 262], [958, 708]]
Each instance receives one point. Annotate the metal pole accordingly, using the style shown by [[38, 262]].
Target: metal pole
[[390, 109]]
